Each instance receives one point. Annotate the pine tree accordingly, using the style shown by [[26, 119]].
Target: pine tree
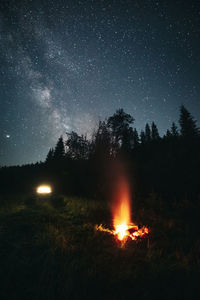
[[59, 152], [187, 123], [168, 134], [147, 133], [136, 139], [50, 156], [174, 130], [154, 132], [142, 137], [101, 144]]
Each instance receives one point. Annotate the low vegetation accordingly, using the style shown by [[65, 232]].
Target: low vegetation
[[51, 250]]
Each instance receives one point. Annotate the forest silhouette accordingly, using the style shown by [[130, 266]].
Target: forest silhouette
[[166, 167]]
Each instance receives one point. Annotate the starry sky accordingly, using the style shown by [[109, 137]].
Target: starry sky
[[67, 64]]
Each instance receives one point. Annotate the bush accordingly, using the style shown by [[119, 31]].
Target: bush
[[57, 201]]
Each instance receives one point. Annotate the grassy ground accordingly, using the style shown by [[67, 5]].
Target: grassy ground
[[49, 249]]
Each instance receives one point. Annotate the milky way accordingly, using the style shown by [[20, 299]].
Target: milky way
[[67, 64]]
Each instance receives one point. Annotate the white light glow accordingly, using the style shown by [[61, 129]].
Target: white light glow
[[44, 189]]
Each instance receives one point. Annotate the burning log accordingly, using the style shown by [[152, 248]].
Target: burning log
[[124, 232]]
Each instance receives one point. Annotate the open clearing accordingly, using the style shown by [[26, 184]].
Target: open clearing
[[51, 250]]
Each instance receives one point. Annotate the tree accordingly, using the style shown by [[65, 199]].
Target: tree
[[121, 131], [154, 132], [187, 123], [101, 144], [174, 130], [59, 152], [136, 139], [168, 134], [77, 146], [142, 137], [127, 140], [172, 133], [50, 156], [147, 133]]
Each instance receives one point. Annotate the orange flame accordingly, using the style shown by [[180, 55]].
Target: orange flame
[[121, 211]]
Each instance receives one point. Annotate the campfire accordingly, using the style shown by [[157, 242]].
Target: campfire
[[123, 232], [123, 227]]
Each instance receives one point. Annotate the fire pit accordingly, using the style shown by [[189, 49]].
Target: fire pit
[[124, 232]]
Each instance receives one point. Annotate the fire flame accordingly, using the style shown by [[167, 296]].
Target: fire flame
[[121, 211]]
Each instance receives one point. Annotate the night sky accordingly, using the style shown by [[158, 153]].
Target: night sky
[[67, 64]]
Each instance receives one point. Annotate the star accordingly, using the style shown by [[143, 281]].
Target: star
[[68, 66]]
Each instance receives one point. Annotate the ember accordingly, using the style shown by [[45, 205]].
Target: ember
[[124, 232]]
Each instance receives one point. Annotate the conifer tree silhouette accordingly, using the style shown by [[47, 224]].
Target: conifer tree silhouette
[[50, 156], [187, 123], [147, 133], [154, 132], [174, 130], [168, 134], [101, 144], [136, 139], [59, 152], [142, 137]]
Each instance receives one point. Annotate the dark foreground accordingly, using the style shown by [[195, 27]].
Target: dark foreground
[[50, 250]]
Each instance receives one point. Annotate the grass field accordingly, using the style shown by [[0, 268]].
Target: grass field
[[51, 250]]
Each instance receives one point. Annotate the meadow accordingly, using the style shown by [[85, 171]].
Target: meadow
[[50, 249]]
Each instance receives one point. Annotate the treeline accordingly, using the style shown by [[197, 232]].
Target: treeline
[[167, 166], [116, 136]]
